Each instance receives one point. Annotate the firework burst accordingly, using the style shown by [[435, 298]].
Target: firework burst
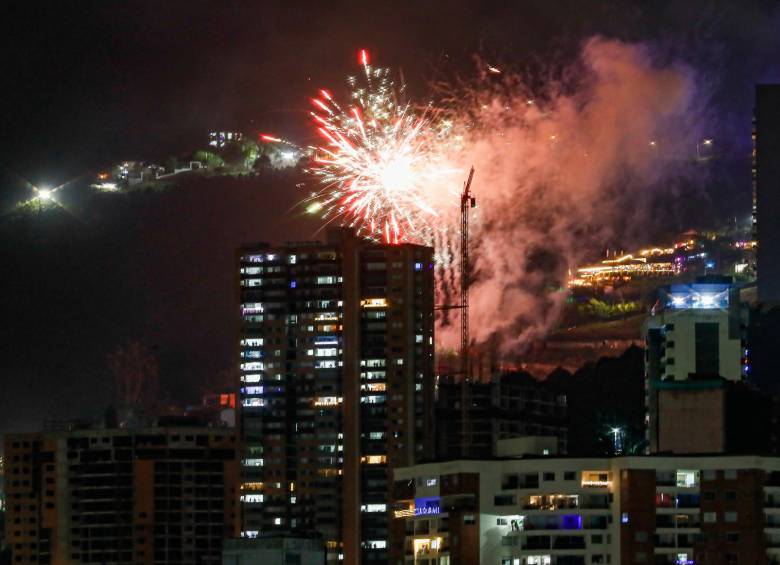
[[381, 164]]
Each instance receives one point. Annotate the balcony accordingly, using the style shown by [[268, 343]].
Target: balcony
[[551, 502], [569, 542]]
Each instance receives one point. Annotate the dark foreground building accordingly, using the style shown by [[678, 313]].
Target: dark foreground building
[[139, 496], [336, 353], [767, 190], [472, 416]]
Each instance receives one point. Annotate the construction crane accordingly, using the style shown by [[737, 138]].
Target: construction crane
[[467, 201]]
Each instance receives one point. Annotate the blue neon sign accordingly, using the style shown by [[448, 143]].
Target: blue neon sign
[[427, 506]]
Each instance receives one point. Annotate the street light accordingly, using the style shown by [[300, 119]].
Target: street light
[[44, 194], [707, 142], [617, 436]]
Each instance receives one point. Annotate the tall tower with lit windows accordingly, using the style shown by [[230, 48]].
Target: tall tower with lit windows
[[766, 191], [336, 359]]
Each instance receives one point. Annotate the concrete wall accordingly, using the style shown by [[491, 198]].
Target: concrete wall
[[691, 420]]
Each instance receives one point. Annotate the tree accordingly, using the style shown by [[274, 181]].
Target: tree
[[210, 160], [250, 152]]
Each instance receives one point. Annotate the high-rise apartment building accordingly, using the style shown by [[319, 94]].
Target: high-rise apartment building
[[766, 190], [123, 496], [336, 353]]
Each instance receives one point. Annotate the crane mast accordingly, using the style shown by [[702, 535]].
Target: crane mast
[[467, 201]]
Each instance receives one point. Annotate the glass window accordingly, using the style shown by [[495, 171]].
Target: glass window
[[687, 479], [730, 517], [707, 348]]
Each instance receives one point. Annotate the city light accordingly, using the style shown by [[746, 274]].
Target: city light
[[44, 194]]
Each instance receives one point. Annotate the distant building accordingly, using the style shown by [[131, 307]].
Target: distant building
[[580, 511], [219, 139], [694, 340], [472, 416], [695, 330], [766, 190], [276, 549], [336, 355], [124, 496]]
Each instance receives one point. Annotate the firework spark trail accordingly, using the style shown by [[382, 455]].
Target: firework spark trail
[[563, 171], [383, 164]]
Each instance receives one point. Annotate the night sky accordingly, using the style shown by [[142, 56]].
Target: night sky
[[90, 83]]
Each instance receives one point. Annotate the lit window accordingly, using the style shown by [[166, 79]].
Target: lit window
[[687, 479], [374, 459], [418, 266], [373, 508], [277, 521], [328, 401], [595, 479]]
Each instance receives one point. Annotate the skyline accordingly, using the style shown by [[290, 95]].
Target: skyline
[[146, 82]]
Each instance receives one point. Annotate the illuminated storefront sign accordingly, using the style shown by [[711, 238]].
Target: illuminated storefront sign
[[427, 505]]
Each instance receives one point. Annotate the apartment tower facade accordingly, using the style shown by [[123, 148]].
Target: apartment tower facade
[[336, 359]]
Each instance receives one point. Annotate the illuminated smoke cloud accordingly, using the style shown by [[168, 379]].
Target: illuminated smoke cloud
[[562, 173]]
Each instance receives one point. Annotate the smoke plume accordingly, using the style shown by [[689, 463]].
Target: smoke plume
[[562, 173]]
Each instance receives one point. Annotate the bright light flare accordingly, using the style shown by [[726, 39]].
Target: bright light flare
[[381, 162], [44, 194]]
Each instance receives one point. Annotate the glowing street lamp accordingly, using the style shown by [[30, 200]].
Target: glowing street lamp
[[617, 437], [44, 194], [707, 143]]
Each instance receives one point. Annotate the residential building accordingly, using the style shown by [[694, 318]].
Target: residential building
[[336, 353], [766, 190], [221, 138], [277, 549], [574, 511], [695, 330], [695, 333], [123, 496], [471, 415]]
